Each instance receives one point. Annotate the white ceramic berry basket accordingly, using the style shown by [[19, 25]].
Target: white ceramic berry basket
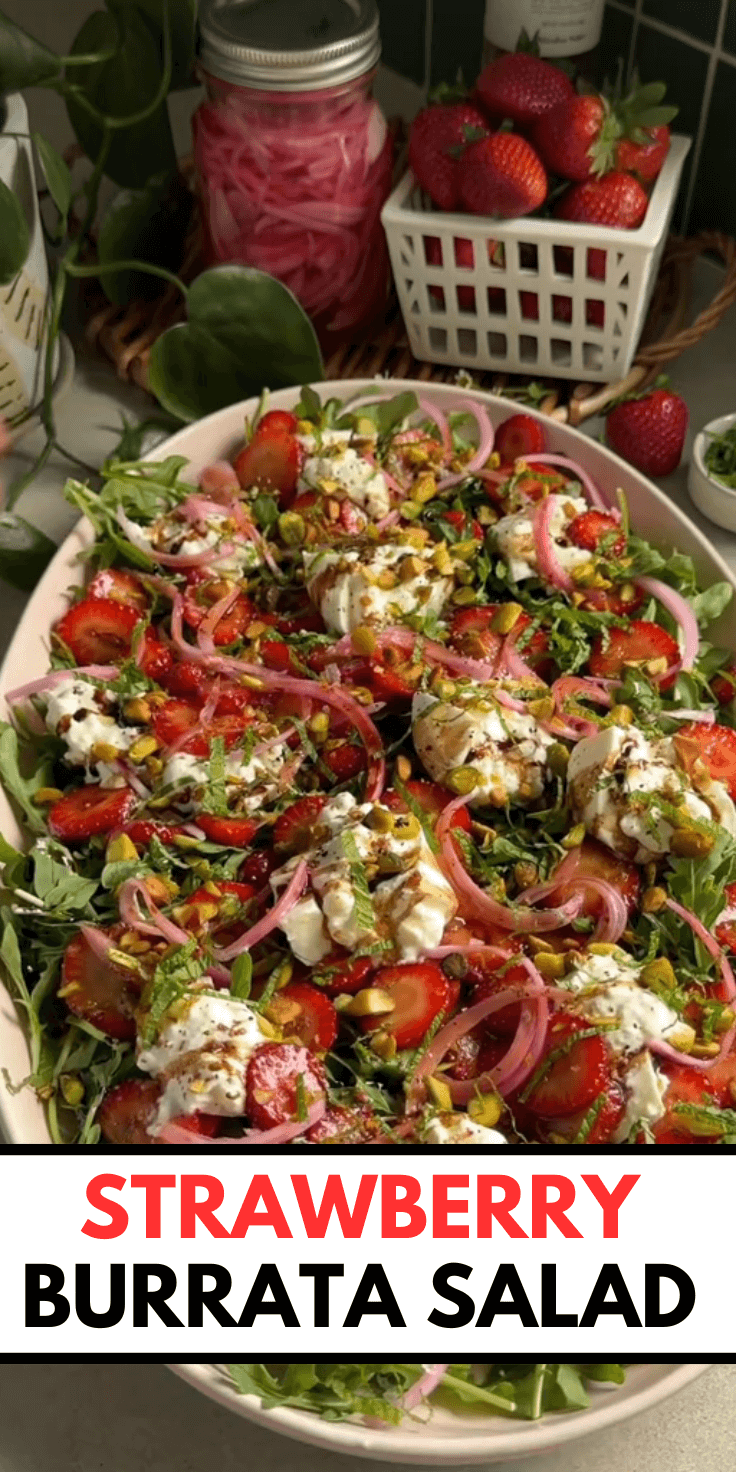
[[543, 268], [445, 1439], [219, 436]]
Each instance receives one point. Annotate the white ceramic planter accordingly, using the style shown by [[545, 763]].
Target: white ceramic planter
[[23, 301]]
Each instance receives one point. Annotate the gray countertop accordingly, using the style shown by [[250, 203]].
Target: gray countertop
[[114, 1418]]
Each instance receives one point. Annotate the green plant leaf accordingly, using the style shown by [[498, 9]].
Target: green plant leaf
[[24, 551], [56, 173], [146, 224], [24, 62], [245, 331], [119, 88], [183, 34], [14, 235]]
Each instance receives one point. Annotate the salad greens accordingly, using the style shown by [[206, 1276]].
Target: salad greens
[[229, 748], [337, 1392]]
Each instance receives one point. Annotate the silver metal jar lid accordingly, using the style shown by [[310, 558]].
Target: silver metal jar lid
[[288, 45]]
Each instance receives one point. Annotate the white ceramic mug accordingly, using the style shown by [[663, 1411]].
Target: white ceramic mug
[[23, 302]]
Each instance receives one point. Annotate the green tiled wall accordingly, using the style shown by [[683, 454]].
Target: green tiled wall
[[689, 44]]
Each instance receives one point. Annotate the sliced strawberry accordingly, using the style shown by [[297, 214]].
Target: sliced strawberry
[[272, 1087], [272, 462], [87, 811], [277, 655], [471, 633], [343, 1125], [419, 991], [294, 828], [608, 1118], [187, 680], [127, 1112], [202, 593], [121, 586], [489, 977], [315, 1022], [574, 1079], [695, 1086], [622, 599], [142, 830], [228, 924], [590, 529], [300, 617], [257, 867], [394, 684], [233, 700], [461, 1061], [725, 933], [172, 720], [539, 481], [234, 832], [277, 421], [97, 990], [154, 658], [597, 861], [717, 749], [341, 974], [641, 644], [723, 684], [518, 436], [344, 761], [98, 630]]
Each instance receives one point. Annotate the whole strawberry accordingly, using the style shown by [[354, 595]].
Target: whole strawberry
[[438, 134], [522, 87], [649, 432], [571, 137], [617, 200], [581, 136], [644, 154], [501, 176]]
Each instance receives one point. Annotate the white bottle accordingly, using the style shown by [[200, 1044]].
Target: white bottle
[[564, 27]]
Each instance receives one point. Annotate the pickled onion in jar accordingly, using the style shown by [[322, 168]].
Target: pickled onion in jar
[[293, 184]]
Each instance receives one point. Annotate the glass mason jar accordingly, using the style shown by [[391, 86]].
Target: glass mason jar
[[293, 155]]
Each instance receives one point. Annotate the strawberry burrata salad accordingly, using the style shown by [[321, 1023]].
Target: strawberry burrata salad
[[381, 790]]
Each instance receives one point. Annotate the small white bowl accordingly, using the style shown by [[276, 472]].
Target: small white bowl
[[709, 494]]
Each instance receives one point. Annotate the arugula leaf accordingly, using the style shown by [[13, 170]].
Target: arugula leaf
[[710, 604], [337, 1391], [310, 404], [22, 788], [333, 1391], [61, 888], [265, 511]]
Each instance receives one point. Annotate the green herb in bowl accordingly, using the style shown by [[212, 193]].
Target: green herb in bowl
[[720, 457]]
